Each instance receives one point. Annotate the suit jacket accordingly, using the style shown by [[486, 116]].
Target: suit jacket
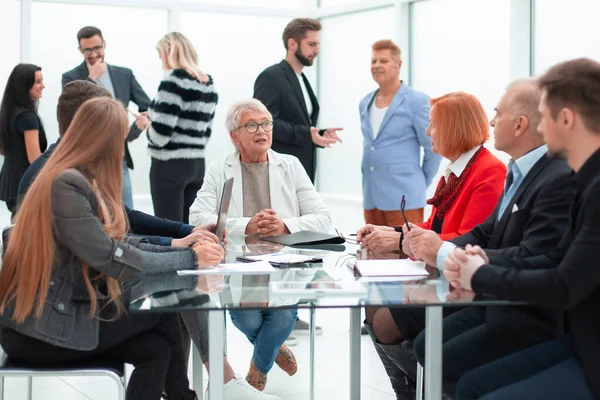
[[391, 164], [126, 88], [478, 196], [543, 200], [277, 87], [567, 279], [293, 196]]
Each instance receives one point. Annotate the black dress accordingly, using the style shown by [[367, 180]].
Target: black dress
[[15, 154]]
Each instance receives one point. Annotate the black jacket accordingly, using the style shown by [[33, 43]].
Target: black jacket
[[157, 230], [126, 88], [542, 203], [566, 279], [278, 88]]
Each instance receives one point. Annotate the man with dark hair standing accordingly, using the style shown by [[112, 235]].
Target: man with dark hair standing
[[119, 81], [286, 92]]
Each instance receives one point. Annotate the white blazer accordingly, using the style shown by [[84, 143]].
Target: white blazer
[[292, 194]]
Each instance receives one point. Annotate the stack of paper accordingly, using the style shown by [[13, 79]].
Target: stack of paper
[[390, 268], [254, 268]]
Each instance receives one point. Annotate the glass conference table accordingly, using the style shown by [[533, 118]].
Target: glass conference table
[[327, 284]]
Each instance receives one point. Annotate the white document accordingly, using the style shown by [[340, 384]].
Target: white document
[[254, 268], [391, 268]]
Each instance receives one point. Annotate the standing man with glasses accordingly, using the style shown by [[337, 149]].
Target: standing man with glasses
[[119, 81], [286, 92]]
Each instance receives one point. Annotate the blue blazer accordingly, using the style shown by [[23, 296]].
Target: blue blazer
[[391, 164]]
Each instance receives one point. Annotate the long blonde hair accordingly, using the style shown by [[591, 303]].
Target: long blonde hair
[[177, 51], [93, 145]]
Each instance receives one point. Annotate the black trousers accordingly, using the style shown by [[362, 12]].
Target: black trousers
[[174, 185], [150, 342], [549, 371]]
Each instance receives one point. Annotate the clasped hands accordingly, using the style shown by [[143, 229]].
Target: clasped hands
[[461, 265], [266, 223]]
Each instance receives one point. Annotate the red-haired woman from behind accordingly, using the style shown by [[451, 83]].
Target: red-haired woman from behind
[[465, 196]]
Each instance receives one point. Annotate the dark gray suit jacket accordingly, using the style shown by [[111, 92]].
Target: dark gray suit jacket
[[126, 88], [277, 87], [542, 201]]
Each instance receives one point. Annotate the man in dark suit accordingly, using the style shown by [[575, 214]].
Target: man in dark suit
[[566, 279], [530, 219], [286, 92], [119, 81]]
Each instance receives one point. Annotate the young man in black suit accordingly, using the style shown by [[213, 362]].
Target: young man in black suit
[[566, 279], [119, 81], [530, 219], [286, 92]]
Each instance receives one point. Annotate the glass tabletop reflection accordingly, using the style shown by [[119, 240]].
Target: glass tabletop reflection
[[328, 283]]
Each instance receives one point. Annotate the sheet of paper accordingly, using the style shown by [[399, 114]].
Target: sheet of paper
[[282, 258], [254, 268], [391, 268]]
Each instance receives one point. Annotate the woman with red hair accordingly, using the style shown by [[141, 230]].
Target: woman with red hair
[[465, 196]]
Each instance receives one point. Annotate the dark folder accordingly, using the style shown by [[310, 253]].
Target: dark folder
[[305, 238]]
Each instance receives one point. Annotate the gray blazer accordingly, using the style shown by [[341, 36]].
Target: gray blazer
[[127, 89], [81, 238]]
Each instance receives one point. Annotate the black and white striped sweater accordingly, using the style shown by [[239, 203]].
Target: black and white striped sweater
[[181, 115]]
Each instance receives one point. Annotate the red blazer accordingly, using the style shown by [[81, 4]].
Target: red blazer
[[478, 197]]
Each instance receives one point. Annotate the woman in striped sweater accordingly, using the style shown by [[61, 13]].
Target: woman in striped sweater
[[181, 117]]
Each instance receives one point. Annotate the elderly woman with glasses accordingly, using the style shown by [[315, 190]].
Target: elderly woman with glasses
[[272, 195]]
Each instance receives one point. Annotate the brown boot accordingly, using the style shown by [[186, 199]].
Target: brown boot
[[255, 378], [286, 360]]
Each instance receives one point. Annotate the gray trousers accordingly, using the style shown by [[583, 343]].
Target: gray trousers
[[195, 326]]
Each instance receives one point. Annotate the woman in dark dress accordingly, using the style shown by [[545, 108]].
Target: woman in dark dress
[[22, 136]]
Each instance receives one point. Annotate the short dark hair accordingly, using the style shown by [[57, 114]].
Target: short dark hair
[[296, 29], [574, 84], [73, 95], [87, 32]]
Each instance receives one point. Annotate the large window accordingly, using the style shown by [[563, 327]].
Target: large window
[[345, 78], [131, 35], [10, 48], [565, 31], [462, 45], [256, 3], [233, 49]]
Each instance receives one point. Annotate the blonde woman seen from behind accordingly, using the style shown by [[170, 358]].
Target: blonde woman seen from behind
[[180, 124]]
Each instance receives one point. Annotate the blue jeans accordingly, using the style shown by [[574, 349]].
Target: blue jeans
[[266, 330], [544, 372], [127, 189]]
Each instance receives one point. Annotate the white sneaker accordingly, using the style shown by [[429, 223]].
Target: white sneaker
[[239, 389]]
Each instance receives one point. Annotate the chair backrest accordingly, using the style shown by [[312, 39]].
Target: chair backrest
[[5, 235]]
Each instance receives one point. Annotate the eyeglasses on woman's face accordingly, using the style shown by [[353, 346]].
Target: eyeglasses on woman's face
[[252, 127]]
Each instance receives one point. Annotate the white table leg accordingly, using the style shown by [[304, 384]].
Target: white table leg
[[311, 326], [197, 372], [216, 333], [355, 355], [433, 352]]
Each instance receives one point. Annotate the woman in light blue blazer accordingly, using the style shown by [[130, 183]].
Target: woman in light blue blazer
[[394, 119]]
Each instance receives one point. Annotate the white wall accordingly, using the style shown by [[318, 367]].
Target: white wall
[[457, 46], [345, 76]]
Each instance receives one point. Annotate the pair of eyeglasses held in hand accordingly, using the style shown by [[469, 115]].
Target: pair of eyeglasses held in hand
[[346, 238]]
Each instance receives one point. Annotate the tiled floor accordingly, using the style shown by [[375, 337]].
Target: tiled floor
[[332, 359], [332, 369]]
